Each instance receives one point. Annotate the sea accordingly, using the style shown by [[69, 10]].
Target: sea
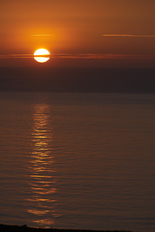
[[77, 160]]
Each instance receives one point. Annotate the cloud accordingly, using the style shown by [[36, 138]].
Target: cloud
[[128, 35], [16, 56], [81, 56], [103, 56], [42, 35]]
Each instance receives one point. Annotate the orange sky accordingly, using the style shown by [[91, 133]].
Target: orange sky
[[78, 32]]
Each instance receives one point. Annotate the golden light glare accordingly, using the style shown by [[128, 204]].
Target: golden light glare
[[41, 55]]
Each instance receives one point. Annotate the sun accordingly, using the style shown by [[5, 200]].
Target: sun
[[41, 55]]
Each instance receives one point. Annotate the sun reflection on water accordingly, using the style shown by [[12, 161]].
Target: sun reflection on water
[[41, 179]]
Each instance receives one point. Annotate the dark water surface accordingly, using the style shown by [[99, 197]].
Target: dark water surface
[[80, 161]]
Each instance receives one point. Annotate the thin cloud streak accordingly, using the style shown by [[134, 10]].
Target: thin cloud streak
[[128, 35], [80, 56], [42, 35], [103, 56], [16, 56]]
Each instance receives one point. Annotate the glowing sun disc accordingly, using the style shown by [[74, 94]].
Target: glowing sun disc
[[41, 55]]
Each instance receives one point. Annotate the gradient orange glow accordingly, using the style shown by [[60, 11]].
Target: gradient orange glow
[[78, 27]]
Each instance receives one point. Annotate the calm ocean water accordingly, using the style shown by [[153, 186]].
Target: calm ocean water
[[80, 161]]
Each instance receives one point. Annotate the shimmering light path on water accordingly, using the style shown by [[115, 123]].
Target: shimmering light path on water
[[41, 178], [81, 161]]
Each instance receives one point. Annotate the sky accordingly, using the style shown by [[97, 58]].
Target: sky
[[102, 33]]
